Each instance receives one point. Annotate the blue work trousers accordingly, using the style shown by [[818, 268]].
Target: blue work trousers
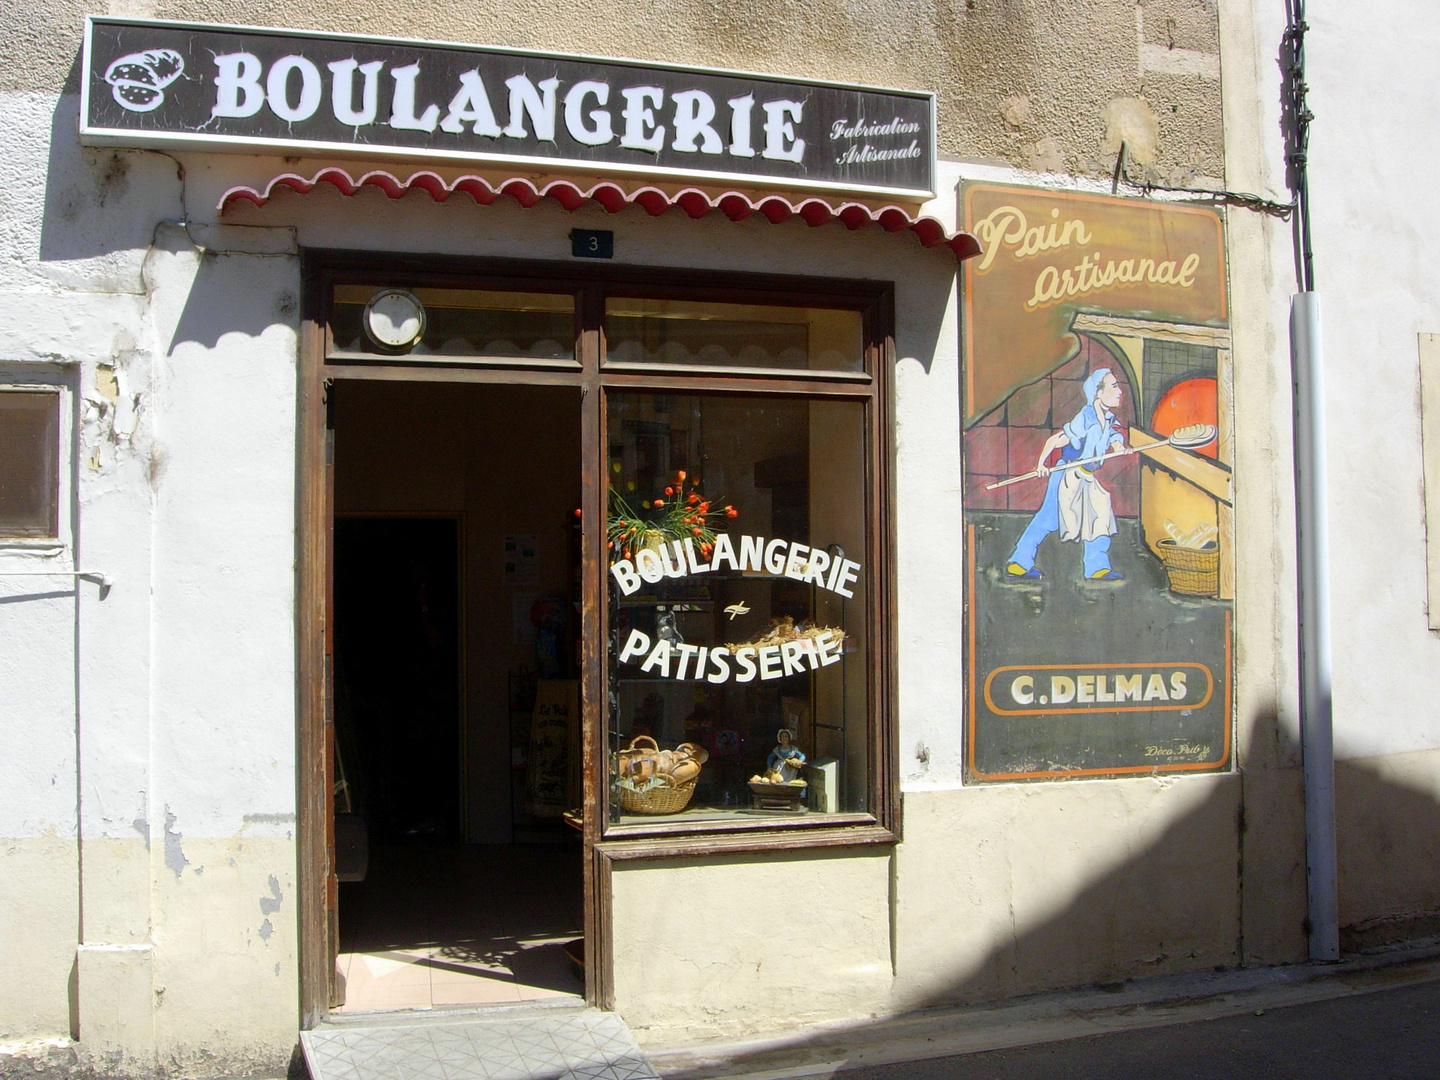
[[1096, 553]]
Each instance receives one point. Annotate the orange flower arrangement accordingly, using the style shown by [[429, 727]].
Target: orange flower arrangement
[[681, 513]]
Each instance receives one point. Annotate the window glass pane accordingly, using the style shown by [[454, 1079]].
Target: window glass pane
[[29, 463], [732, 335], [738, 608], [467, 322]]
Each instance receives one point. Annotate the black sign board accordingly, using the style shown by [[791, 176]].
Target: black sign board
[[153, 83]]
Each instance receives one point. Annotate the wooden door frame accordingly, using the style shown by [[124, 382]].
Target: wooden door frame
[[314, 523], [315, 795], [316, 885]]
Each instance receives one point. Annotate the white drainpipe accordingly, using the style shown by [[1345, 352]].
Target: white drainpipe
[[1317, 734]]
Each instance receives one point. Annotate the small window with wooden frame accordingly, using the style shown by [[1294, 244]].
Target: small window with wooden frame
[[737, 602], [30, 462]]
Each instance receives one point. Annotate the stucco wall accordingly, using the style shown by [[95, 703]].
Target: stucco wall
[[1375, 242], [39, 886], [202, 754], [149, 807], [706, 948], [1372, 241], [162, 775], [1007, 890]]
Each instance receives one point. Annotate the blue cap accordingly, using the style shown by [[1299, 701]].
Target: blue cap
[[1093, 381]]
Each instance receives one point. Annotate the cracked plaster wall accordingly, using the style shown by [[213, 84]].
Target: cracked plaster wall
[[138, 735]]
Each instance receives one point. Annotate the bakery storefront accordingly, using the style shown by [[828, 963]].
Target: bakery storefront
[[597, 369]]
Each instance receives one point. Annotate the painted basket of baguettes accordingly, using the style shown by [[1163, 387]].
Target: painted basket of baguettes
[[649, 780], [1192, 571]]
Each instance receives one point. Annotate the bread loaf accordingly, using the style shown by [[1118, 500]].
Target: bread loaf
[[138, 81]]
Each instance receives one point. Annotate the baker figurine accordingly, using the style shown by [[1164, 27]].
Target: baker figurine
[[786, 759], [1077, 505]]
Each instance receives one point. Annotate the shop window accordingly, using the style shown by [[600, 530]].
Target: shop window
[[691, 332], [730, 577], [453, 323], [740, 593], [29, 463]]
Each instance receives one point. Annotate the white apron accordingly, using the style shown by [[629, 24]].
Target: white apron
[[1084, 506]]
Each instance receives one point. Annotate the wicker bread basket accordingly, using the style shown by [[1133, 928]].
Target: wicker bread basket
[[662, 793], [1192, 572], [664, 798]]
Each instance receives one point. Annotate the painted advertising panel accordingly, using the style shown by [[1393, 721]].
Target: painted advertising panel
[[153, 83], [1097, 460]]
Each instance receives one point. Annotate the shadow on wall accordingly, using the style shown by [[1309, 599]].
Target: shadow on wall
[[244, 294], [99, 201], [1186, 896], [1131, 924], [106, 210], [1388, 837], [923, 300]]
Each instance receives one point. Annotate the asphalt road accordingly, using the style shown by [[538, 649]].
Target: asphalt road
[[1384, 1034]]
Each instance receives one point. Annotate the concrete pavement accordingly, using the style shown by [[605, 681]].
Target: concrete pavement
[[1370, 1015], [1384, 1034]]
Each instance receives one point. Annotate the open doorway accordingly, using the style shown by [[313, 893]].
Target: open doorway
[[456, 563]]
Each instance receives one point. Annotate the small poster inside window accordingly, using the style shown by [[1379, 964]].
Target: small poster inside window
[[522, 559], [553, 777]]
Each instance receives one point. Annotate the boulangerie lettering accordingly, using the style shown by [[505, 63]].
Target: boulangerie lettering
[[694, 110], [342, 91], [776, 557], [471, 104], [237, 85], [278, 94], [593, 128], [536, 100], [153, 84], [402, 111]]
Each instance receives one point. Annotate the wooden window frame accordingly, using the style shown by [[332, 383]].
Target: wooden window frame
[[604, 843], [57, 532]]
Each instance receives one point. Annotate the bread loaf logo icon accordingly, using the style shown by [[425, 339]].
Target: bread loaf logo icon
[[138, 81]]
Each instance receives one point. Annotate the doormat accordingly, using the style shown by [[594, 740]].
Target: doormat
[[550, 1045]]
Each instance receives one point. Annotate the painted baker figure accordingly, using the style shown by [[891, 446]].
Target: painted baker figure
[[1077, 505]]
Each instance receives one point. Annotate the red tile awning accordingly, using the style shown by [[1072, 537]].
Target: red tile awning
[[736, 205]]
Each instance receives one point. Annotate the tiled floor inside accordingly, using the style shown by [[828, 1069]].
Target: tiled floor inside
[[450, 925]]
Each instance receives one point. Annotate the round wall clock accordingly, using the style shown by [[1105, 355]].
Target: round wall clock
[[394, 320]]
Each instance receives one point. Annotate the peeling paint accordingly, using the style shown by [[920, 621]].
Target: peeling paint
[[174, 856], [1131, 121], [1046, 155], [1015, 111], [268, 819], [141, 824], [269, 905], [266, 930], [106, 384]]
